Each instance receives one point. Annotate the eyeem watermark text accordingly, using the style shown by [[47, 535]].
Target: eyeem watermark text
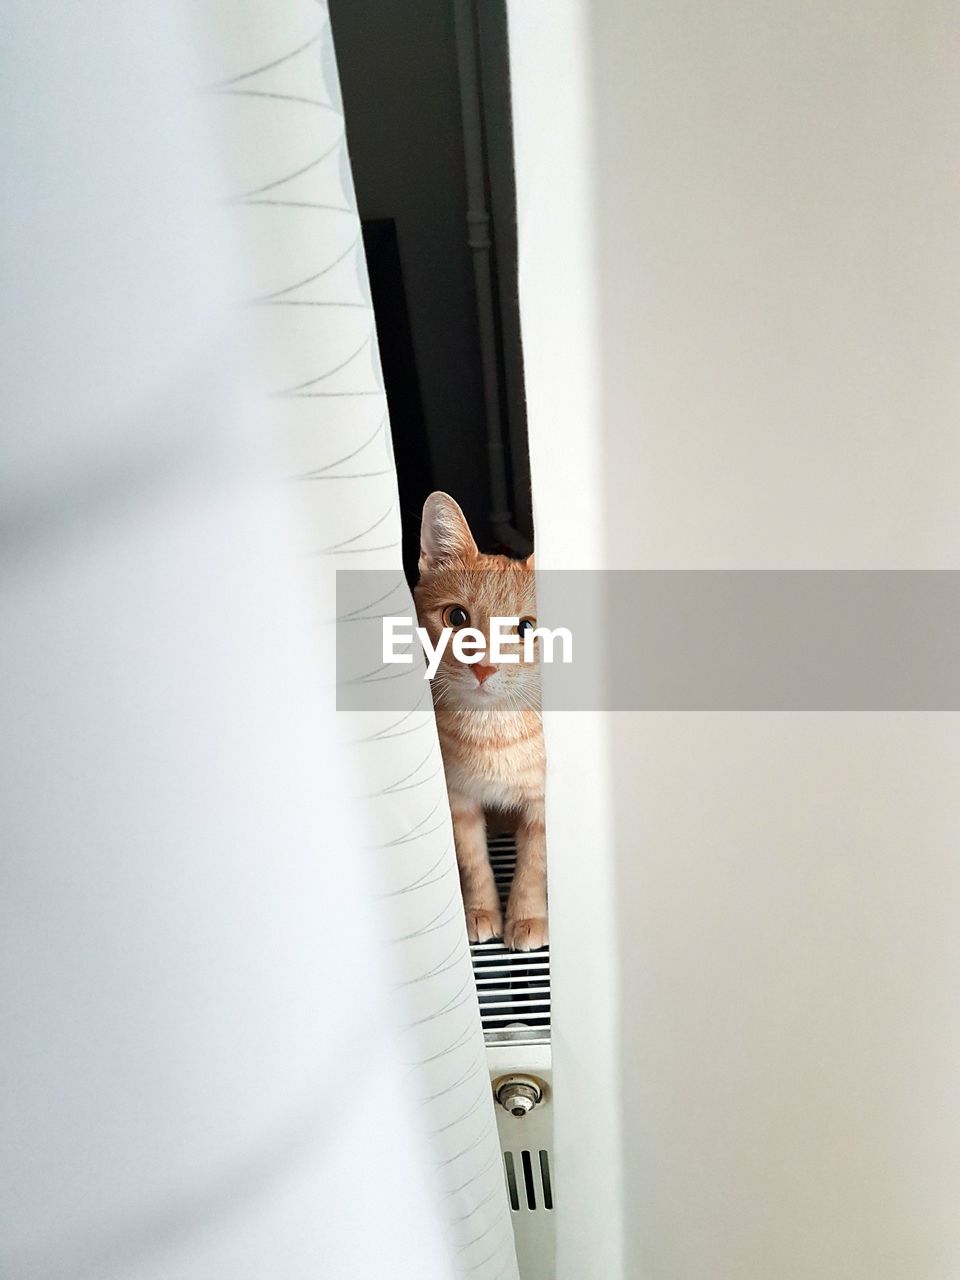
[[469, 644]]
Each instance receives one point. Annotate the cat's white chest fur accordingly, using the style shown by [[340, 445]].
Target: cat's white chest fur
[[496, 779]]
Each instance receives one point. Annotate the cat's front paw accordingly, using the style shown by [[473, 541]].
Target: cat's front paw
[[483, 925], [526, 933]]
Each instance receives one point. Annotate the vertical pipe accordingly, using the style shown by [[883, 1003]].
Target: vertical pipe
[[479, 240]]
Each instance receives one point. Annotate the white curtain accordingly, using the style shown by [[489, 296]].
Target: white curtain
[[198, 1076], [274, 96]]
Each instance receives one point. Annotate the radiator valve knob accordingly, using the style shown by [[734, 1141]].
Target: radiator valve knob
[[518, 1094]]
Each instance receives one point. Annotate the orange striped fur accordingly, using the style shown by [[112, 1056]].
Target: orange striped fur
[[490, 730]]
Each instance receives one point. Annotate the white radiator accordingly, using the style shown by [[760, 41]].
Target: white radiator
[[513, 989]]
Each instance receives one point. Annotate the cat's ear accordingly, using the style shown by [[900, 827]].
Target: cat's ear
[[444, 533], [529, 561]]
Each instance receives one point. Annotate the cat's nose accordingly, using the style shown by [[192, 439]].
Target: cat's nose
[[482, 672]]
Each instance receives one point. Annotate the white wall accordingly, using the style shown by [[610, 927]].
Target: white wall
[[739, 271]]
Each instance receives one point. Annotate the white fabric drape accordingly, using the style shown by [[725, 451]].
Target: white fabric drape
[[196, 1080], [274, 96], [197, 1075]]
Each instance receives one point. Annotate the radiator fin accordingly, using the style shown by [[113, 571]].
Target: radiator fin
[[535, 1190], [511, 1172], [513, 987]]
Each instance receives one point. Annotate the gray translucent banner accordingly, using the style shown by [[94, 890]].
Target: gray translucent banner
[[699, 641]]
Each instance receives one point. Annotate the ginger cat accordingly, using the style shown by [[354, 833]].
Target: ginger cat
[[488, 717]]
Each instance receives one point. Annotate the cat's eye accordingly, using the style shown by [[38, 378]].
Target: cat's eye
[[455, 615], [525, 625]]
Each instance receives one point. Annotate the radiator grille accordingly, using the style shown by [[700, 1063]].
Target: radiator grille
[[513, 987], [528, 1180]]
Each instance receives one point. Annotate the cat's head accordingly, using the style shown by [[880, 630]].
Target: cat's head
[[460, 587]]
